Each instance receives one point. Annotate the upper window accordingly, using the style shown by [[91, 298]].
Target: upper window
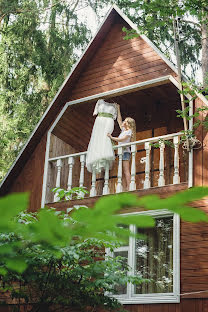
[[156, 259]]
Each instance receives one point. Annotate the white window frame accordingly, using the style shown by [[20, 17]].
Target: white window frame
[[173, 297]]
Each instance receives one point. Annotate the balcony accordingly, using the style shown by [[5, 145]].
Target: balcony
[[155, 162]]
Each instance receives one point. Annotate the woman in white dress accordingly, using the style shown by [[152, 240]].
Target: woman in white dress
[[128, 134], [100, 152]]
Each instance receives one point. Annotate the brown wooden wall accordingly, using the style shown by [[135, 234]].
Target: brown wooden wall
[[201, 154], [119, 63], [194, 255], [186, 305], [30, 178], [60, 148]]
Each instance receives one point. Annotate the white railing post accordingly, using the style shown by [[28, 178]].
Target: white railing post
[[176, 177], [161, 180], [58, 178], [106, 187], [93, 186], [147, 166], [133, 168], [119, 185], [81, 178], [70, 163]]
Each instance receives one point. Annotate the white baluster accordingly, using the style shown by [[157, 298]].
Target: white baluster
[[161, 180], [106, 187], [119, 185], [58, 178], [81, 179], [70, 163], [133, 168], [93, 188], [147, 166], [176, 177]]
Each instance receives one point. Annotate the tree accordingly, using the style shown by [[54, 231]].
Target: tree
[[39, 42]]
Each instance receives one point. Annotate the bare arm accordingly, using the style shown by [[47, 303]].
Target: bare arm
[[118, 139], [119, 118]]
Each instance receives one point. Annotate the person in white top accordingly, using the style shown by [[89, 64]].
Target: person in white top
[[128, 134]]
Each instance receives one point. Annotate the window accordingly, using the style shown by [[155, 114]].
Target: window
[[156, 259]]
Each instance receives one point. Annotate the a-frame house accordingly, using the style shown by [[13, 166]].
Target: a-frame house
[[135, 74]]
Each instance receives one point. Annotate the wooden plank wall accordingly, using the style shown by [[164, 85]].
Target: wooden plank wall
[[201, 155], [194, 255], [186, 305], [119, 63], [60, 148], [30, 178]]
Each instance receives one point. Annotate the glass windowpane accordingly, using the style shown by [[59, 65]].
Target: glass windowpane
[[154, 258], [122, 289]]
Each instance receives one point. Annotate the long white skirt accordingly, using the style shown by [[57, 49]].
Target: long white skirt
[[100, 150]]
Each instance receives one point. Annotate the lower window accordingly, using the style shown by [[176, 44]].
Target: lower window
[[155, 259]]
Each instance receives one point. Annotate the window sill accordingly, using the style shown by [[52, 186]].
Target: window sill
[[150, 298]]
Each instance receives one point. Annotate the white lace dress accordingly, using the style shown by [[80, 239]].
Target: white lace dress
[[100, 150]]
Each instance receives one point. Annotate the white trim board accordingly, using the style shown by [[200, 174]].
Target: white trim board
[[115, 92], [124, 90]]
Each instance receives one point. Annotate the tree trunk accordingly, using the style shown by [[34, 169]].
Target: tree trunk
[[205, 52]]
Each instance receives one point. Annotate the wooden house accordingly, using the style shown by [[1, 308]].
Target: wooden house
[[135, 74]]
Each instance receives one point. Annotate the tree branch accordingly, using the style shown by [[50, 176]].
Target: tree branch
[[19, 11]]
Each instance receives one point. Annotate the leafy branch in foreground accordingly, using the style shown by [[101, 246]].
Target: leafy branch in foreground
[[57, 258]]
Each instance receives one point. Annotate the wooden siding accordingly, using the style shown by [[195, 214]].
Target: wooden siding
[[30, 178], [59, 148], [201, 154], [163, 192], [186, 305], [194, 255], [119, 63]]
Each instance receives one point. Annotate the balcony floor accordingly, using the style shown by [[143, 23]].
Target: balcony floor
[[163, 192]]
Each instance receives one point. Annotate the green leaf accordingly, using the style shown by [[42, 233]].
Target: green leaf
[[190, 214], [3, 271], [8, 248], [10, 206], [16, 264], [49, 229], [142, 221]]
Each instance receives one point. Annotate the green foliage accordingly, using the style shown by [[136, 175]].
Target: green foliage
[[191, 90], [56, 258], [74, 193], [39, 43], [178, 203], [158, 144]]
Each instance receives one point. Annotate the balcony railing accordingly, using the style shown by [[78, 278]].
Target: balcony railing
[[146, 145]]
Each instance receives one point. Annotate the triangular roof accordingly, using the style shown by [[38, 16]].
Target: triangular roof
[[60, 99]]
